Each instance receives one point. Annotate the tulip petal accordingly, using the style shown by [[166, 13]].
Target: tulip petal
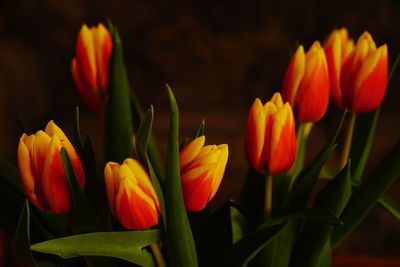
[[190, 151], [103, 46], [196, 192], [293, 76], [371, 82], [111, 183], [55, 185], [219, 169]]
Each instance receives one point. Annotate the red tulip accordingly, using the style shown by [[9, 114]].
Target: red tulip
[[91, 64], [359, 74], [41, 171], [131, 195], [270, 138], [306, 83], [202, 169]]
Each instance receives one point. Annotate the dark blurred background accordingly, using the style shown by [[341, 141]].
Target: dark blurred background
[[216, 55]]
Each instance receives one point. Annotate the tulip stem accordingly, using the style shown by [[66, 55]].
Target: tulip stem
[[347, 141], [268, 197], [155, 248]]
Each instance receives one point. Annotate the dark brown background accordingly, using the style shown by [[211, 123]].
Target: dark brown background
[[217, 56]]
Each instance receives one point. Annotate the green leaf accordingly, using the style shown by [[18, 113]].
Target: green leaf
[[239, 224], [297, 199], [315, 238], [21, 239], [300, 154], [143, 134], [128, 245], [77, 131], [118, 126], [316, 215], [364, 132], [95, 188], [391, 206], [247, 248], [180, 243], [252, 196], [82, 216], [365, 197]]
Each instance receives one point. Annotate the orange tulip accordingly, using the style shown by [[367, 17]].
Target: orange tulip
[[306, 83], [41, 171], [270, 138], [202, 169], [358, 74], [131, 195], [90, 66]]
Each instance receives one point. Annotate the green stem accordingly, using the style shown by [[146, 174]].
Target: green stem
[[155, 248], [347, 142], [268, 197]]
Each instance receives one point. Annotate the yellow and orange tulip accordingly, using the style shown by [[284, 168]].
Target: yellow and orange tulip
[[306, 83], [91, 64], [41, 171], [202, 169], [358, 73], [131, 195], [270, 138]]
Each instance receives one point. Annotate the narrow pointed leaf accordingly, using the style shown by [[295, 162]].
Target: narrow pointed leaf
[[118, 127], [77, 131], [366, 196], [82, 216], [181, 247], [390, 206], [128, 245], [200, 130], [315, 238], [21, 239]]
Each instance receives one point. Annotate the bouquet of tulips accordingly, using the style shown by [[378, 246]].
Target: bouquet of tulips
[[67, 209]]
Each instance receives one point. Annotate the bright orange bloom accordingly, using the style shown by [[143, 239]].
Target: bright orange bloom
[[306, 83], [91, 63], [131, 195], [41, 171], [202, 169], [358, 74], [270, 138]]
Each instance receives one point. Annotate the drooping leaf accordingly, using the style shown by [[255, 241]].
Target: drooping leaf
[[315, 238], [366, 196], [128, 245], [118, 126], [298, 197], [180, 242], [247, 248], [21, 239], [82, 216]]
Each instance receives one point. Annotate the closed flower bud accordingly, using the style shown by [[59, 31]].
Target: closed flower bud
[[131, 195], [306, 83], [41, 170], [270, 138], [91, 64], [358, 73], [202, 169]]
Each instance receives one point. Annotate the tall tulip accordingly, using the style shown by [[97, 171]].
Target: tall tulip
[[41, 171], [306, 83], [270, 138], [202, 169], [91, 64], [358, 74], [131, 195]]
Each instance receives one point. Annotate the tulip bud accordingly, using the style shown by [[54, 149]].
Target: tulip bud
[[270, 138], [359, 74], [306, 83], [91, 63], [41, 171], [131, 195], [202, 169]]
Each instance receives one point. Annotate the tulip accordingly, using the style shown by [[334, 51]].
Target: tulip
[[358, 74], [306, 83], [91, 64], [202, 169], [270, 138], [41, 171], [131, 195]]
